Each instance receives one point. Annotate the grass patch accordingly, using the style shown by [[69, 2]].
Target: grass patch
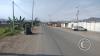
[[7, 32], [3, 30], [11, 33]]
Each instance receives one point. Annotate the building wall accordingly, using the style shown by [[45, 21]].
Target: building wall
[[63, 25], [92, 26]]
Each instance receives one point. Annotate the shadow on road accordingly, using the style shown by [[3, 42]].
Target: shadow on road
[[34, 34]]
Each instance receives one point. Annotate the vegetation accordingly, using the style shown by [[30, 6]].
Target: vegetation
[[18, 26], [18, 23], [36, 22], [3, 30]]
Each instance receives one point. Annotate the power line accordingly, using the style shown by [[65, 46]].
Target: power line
[[60, 8], [24, 12]]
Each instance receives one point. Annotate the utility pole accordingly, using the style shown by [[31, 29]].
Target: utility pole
[[32, 11], [77, 15], [13, 15]]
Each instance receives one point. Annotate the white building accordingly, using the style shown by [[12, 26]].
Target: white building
[[91, 26]]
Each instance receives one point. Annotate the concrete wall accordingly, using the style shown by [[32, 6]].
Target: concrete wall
[[92, 26], [63, 25]]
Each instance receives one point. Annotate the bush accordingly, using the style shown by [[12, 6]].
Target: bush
[[17, 27], [2, 31], [6, 30], [8, 34]]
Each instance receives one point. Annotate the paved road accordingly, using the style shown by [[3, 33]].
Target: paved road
[[67, 43], [49, 41]]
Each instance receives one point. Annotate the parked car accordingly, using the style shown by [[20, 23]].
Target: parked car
[[79, 28]]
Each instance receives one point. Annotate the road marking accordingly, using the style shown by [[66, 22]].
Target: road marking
[[84, 44]]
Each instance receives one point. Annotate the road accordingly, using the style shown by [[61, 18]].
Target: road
[[49, 41]]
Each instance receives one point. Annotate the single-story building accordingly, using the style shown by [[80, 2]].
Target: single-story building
[[91, 26], [58, 24]]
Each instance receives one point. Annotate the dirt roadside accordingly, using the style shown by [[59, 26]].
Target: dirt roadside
[[21, 44]]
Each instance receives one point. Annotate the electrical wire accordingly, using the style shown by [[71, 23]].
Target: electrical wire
[[23, 11]]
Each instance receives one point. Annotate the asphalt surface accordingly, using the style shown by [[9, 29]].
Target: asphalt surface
[[50, 41], [67, 43]]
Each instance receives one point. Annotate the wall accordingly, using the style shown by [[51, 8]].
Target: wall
[[63, 25], [92, 26]]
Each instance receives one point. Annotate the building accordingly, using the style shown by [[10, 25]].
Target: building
[[59, 24], [3, 21], [91, 24]]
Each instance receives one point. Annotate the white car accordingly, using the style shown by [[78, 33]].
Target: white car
[[79, 28]]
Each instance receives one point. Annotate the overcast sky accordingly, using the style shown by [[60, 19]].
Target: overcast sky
[[49, 10]]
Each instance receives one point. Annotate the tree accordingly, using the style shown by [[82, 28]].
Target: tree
[[10, 21], [36, 22], [18, 23], [21, 21]]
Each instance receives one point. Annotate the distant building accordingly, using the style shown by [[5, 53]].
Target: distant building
[[58, 24], [3, 21]]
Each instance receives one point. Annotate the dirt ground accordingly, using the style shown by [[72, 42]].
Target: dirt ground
[[20, 43]]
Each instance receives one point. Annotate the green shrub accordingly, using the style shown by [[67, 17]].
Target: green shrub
[[2, 30], [7, 30], [8, 34]]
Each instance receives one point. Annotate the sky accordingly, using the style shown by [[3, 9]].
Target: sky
[[51, 10]]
